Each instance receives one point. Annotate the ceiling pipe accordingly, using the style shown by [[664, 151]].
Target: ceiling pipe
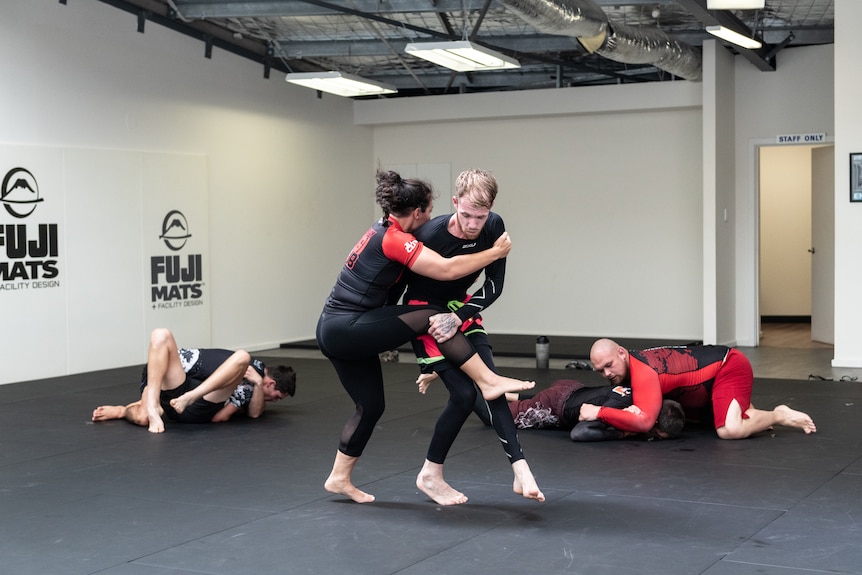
[[586, 21]]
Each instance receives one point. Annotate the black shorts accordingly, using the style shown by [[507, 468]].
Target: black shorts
[[201, 411]]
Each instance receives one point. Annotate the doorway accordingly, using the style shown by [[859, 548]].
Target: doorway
[[795, 246]]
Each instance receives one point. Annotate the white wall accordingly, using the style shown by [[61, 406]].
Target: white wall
[[848, 217], [719, 238], [600, 189], [289, 178]]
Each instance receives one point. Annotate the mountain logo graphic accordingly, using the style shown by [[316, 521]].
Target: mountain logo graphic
[[175, 230], [20, 193]]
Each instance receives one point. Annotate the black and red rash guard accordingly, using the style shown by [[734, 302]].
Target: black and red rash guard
[[684, 374], [374, 265]]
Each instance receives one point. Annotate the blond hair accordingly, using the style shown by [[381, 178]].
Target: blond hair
[[479, 185]]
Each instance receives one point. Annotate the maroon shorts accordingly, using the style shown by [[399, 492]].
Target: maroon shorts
[[733, 381]]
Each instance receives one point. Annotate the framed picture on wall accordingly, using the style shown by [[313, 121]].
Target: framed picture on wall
[[856, 177]]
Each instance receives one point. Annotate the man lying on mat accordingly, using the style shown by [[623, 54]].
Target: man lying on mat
[[199, 386], [558, 407], [704, 379]]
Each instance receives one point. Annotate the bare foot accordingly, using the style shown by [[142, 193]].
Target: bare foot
[[156, 423], [499, 385], [345, 487], [106, 412], [180, 403], [525, 483], [430, 482], [793, 418]]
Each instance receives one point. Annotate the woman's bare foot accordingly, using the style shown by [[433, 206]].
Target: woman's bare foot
[[342, 486], [525, 483], [491, 384], [430, 482], [106, 412], [339, 482], [180, 403], [793, 418], [498, 385]]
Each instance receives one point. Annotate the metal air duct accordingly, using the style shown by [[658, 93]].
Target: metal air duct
[[587, 22]]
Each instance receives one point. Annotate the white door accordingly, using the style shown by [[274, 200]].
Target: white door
[[823, 244]]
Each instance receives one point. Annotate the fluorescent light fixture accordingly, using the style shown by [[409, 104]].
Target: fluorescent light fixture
[[735, 4], [734, 37], [461, 56], [340, 84]]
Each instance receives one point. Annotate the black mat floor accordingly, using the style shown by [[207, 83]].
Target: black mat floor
[[246, 497], [523, 345]]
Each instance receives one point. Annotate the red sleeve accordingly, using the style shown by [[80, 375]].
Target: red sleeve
[[401, 246], [646, 394]]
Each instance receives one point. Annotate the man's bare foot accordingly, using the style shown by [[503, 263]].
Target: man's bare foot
[[341, 486], [180, 403], [525, 483], [499, 385], [793, 418], [156, 423], [430, 482], [106, 412]]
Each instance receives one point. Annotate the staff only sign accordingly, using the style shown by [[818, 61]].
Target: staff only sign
[[817, 138], [29, 244]]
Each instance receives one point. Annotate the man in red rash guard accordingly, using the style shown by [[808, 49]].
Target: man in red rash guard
[[698, 377]]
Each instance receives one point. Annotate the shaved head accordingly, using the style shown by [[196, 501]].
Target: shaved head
[[604, 346], [610, 359]]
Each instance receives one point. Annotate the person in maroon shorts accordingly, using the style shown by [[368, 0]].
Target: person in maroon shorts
[[701, 378]]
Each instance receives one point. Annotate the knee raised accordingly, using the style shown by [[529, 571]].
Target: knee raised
[[162, 337], [241, 357]]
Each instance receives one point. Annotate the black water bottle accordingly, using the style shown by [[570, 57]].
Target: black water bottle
[[543, 352]]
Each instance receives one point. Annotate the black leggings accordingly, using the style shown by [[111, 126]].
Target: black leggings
[[463, 397], [352, 341]]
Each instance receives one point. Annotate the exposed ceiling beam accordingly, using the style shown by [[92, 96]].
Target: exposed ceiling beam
[[296, 8], [726, 18], [345, 48], [491, 80], [210, 34], [802, 36]]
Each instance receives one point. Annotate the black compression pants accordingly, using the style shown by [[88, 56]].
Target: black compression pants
[[463, 397], [351, 342]]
